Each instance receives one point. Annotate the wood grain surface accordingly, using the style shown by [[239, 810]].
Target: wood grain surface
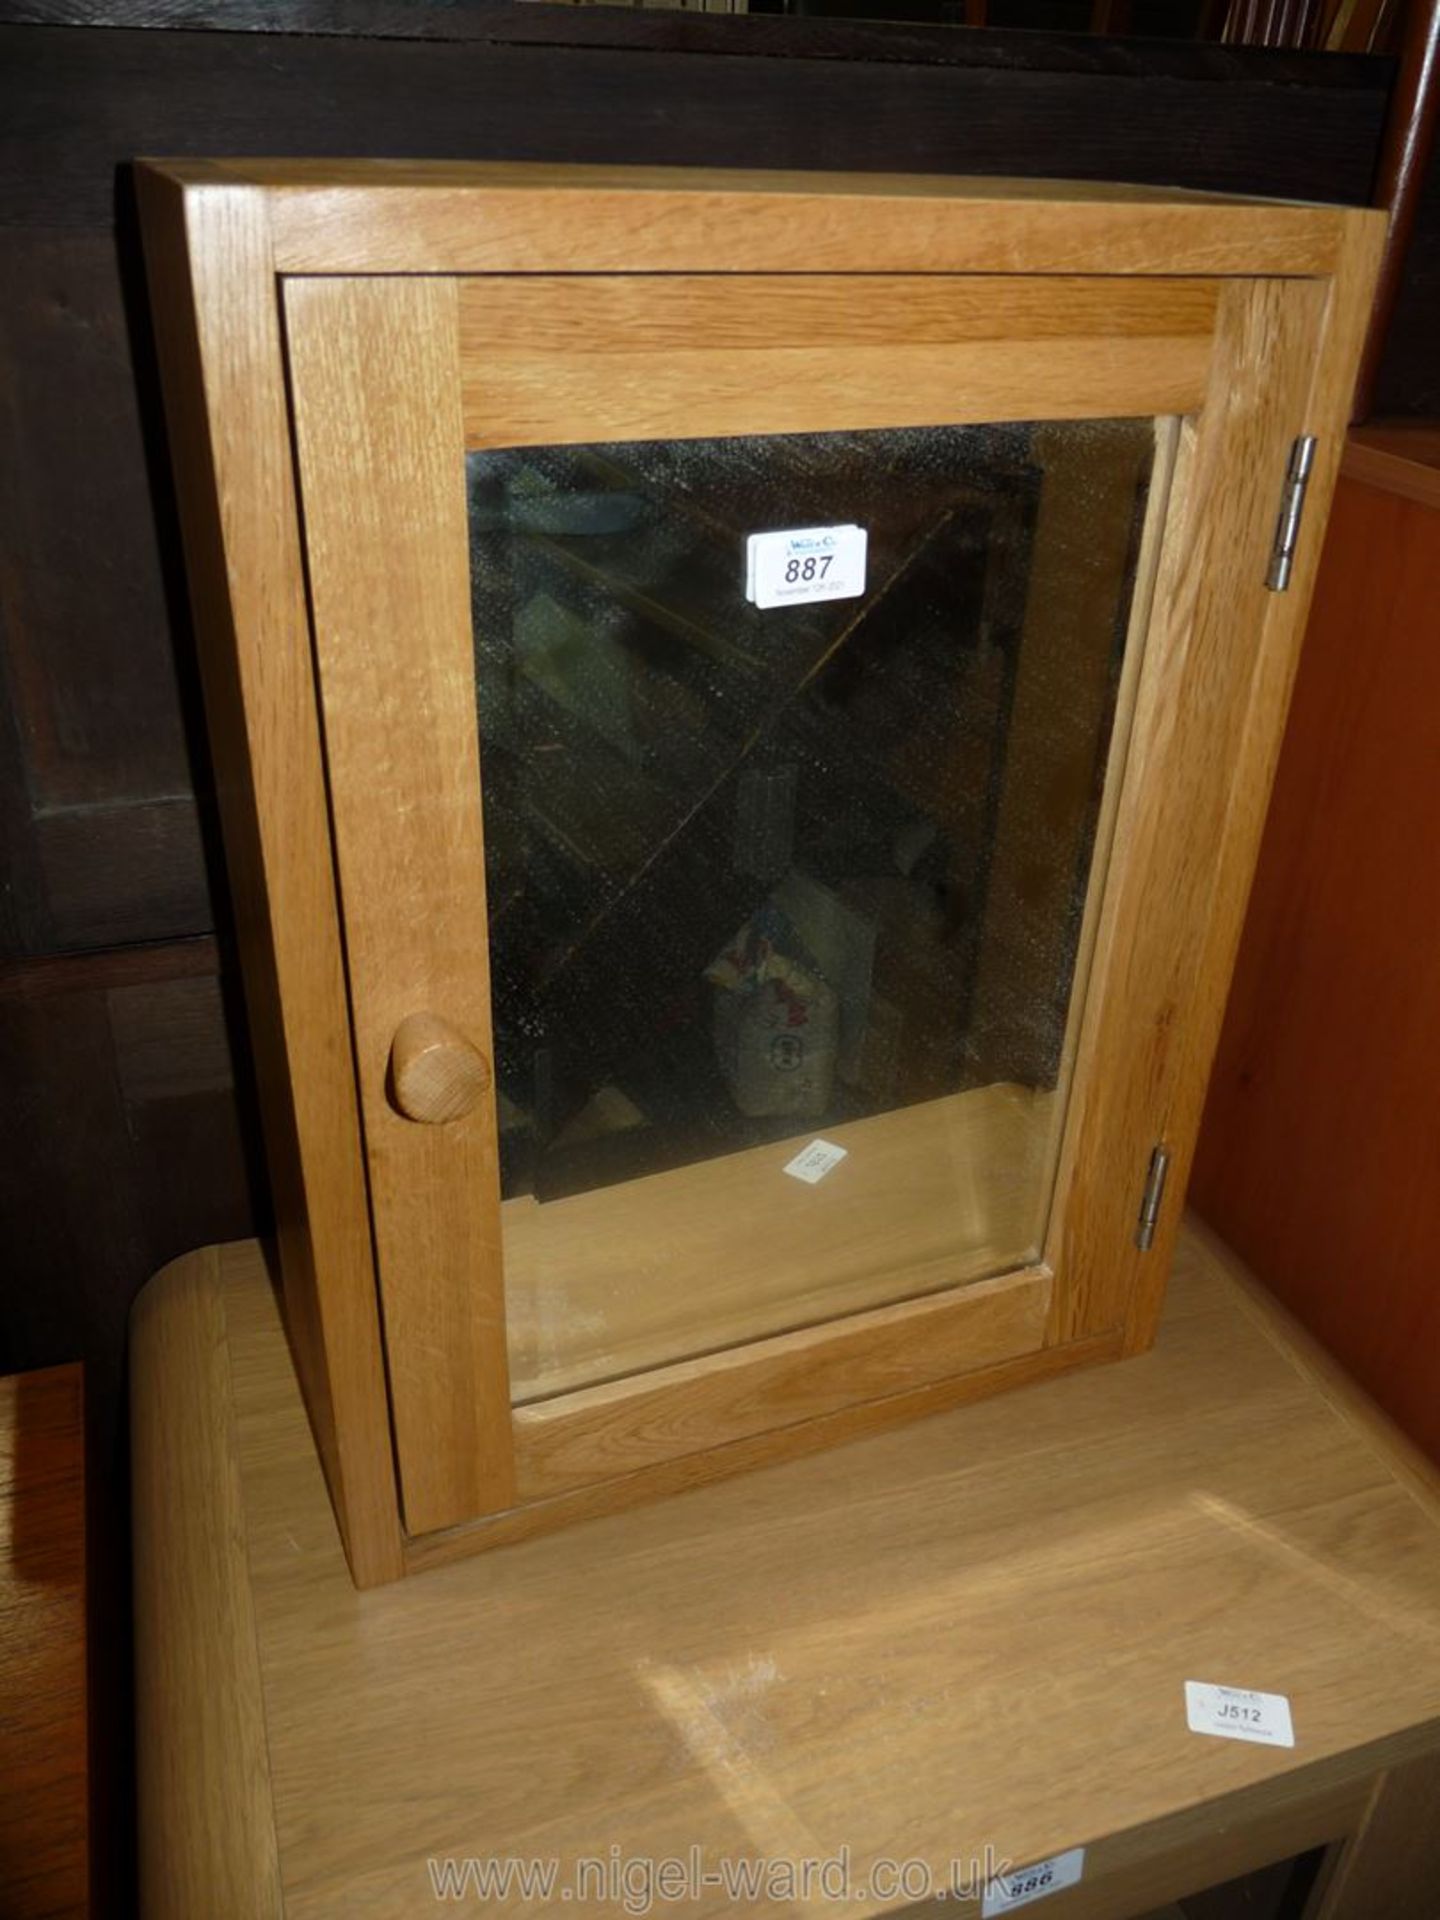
[[619, 1427], [549, 360], [639, 219], [909, 1647], [376, 394], [616, 313]]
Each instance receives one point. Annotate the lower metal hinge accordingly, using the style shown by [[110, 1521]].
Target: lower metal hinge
[[1152, 1198], [1292, 506]]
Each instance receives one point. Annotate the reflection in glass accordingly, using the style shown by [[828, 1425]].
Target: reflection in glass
[[758, 877]]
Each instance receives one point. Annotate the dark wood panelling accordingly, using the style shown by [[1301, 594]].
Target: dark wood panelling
[[124, 1140], [819, 33], [129, 870], [88, 593], [244, 93], [91, 597]]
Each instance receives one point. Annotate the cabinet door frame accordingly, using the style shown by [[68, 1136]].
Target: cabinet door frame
[[393, 378], [1286, 289]]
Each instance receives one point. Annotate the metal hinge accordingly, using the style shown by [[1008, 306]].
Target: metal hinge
[[1292, 505], [1150, 1200]]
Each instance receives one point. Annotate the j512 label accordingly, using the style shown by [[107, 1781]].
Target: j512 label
[[1236, 1713]]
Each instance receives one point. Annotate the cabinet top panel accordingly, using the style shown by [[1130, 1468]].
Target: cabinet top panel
[[329, 216]]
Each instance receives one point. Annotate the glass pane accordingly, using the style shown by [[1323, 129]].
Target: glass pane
[[762, 876]]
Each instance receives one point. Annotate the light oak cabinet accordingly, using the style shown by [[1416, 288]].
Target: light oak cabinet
[[744, 706]]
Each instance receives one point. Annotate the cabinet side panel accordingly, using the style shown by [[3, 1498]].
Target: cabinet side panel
[[212, 294]]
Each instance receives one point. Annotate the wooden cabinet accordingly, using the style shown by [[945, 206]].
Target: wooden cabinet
[[745, 704]]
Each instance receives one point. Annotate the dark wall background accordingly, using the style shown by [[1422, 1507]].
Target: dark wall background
[[126, 1129], [1407, 381]]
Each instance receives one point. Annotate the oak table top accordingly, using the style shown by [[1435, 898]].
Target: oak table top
[[973, 1632]]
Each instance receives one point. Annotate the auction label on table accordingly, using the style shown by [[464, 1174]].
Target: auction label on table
[[1235, 1713], [1020, 1885], [805, 563], [812, 1163]]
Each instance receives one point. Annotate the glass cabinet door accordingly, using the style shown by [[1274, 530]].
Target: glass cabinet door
[[789, 844]]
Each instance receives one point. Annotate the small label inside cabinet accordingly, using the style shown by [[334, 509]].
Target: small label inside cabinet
[[787, 569], [1236, 1713], [1020, 1885], [812, 1163]]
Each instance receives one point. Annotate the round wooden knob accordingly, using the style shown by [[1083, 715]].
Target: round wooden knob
[[435, 1073]]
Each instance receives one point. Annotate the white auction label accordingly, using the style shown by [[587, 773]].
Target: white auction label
[[1235, 1713], [1020, 1885], [812, 1163], [805, 563]]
